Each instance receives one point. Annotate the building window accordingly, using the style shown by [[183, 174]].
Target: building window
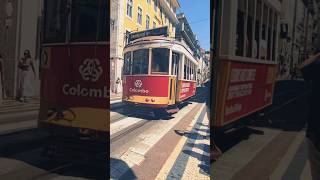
[[139, 20], [154, 25], [129, 8], [155, 5], [165, 19], [147, 22]]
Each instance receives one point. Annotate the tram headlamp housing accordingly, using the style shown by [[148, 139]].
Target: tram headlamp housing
[[147, 99], [153, 100]]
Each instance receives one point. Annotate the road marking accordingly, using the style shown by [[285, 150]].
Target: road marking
[[163, 173], [123, 124]]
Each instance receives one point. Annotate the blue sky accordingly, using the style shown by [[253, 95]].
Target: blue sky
[[198, 15]]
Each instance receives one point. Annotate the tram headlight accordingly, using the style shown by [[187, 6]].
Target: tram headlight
[[153, 100], [147, 99]]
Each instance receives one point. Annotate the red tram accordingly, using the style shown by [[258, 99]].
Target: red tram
[[159, 72], [74, 72], [245, 41]]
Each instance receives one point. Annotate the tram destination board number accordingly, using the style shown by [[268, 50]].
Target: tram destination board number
[[152, 32]]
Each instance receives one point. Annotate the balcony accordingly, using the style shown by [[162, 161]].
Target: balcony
[[168, 8]]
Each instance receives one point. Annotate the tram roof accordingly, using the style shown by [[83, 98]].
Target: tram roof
[[161, 41]]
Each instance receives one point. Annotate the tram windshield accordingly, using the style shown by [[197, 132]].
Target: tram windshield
[[140, 61], [89, 21], [137, 62], [160, 61], [84, 20], [55, 21]]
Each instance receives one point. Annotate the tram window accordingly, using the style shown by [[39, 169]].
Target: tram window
[[275, 30], [160, 61], [104, 30], [55, 21], [127, 63], [84, 20], [257, 30], [269, 34], [240, 27], [264, 45], [185, 71], [174, 63], [250, 22], [140, 61]]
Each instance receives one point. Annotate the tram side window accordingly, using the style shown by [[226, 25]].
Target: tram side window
[[269, 35], [263, 52], [84, 20], [55, 21], [240, 27], [175, 63], [275, 30], [185, 70], [140, 61], [104, 21], [160, 61], [257, 30], [127, 63], [250, 22]]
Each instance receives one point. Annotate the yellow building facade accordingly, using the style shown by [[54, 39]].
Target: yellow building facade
[[141, 15]]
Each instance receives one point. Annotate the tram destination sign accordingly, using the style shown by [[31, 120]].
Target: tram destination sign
[[162, 31]]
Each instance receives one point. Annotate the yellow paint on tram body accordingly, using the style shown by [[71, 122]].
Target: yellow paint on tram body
[[142, 99], [90, 118]]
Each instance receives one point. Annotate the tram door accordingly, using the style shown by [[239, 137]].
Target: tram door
[[175, 73]]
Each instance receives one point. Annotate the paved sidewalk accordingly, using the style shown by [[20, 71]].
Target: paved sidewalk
[[16, 116], [115, 97], [275, 156]]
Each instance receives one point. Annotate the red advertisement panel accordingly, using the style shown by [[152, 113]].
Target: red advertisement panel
[[78, 78], [156, 86], [187, 89], [250, 89]]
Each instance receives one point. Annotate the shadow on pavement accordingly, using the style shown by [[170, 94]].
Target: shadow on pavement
[[117, 167]]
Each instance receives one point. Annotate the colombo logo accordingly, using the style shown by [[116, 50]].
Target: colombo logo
[[138, 83], [90, 70]]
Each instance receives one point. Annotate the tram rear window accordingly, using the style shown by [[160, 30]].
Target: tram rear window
[[160, 61], [140, 61], [55, 21], [85, 17]]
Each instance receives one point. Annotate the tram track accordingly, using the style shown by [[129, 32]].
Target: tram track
[[117, 136]]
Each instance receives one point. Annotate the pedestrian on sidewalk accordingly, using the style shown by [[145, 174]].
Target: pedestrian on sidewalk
[[118, 85], [27, 76], [310, 69], [1, 80]]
